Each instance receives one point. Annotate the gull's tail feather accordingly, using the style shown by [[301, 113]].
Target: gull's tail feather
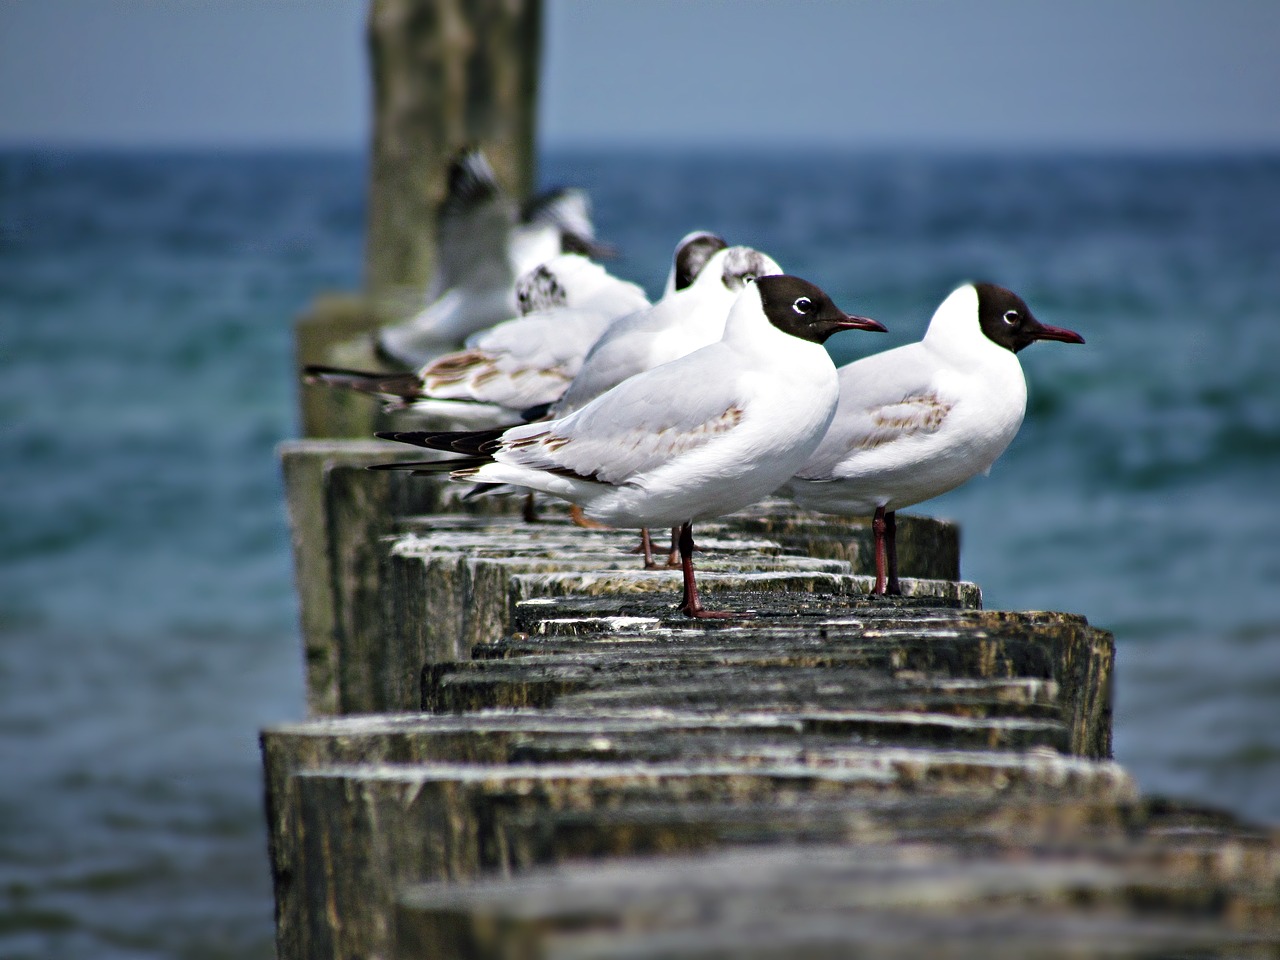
[[474, 442], [431, 467]]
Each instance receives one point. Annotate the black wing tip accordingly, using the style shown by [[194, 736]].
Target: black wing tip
[[425, 468], [416, 437], [399, 465], [311, 368], [536, 413], [473, 442]]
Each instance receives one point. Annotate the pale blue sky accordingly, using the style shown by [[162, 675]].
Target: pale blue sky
[[973, 73]]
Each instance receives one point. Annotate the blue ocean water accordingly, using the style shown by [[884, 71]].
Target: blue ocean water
[[147, 616]]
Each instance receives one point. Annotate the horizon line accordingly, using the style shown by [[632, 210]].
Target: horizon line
[[698, 147]]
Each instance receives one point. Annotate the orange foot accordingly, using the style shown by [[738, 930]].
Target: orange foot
[[582, 520]]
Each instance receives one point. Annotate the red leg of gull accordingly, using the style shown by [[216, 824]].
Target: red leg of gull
[[878, 529], [891, 552], [646, 548], [690, 605]]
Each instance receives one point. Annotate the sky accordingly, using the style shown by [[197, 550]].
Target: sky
[[1148, 74]]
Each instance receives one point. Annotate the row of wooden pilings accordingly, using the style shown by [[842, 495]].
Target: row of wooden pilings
[[518, 748]]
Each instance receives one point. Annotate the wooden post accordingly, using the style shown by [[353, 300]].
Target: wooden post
[[337, 511], [446, 74]]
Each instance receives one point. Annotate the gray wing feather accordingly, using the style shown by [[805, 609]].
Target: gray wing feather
[[640, 425], [884, 399]]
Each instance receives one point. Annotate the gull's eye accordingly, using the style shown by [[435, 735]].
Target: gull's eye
[[802, 305], [1012, 317]]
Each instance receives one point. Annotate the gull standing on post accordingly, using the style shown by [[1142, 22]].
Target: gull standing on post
[[701, 436], [484, 242], [690, 317], [921, 419]]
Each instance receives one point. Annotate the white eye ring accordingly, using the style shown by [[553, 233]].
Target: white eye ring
[[1011, 317], [802, 305]]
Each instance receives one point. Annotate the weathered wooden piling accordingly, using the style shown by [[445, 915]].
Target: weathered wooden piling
[[395, 571], [548, 706], [446, 74], [899, 900]]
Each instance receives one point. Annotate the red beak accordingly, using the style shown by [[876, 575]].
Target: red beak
[[1046, 332], [851, 322]]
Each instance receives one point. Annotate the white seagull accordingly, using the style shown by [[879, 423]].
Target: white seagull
[[701, 436], [531, 360], [484, 242], [705, 280], [678, 324], [692, 253], [566, 302], [921, 419]]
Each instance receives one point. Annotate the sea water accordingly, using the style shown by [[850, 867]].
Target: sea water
[[147, 614]]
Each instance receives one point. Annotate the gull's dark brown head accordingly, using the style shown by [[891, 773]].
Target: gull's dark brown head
[[1008, 322], [802, 309], [692, 255]]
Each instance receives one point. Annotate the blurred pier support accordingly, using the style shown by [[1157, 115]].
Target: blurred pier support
[[446, 73]]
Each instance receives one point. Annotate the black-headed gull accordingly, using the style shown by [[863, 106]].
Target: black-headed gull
[[530, 361], [698, 437], [921, 419], [703, 285], [692, 253], [484, 242], [676, 325]]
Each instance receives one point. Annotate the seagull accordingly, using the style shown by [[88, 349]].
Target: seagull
[[706, 278], [566, 303], [484, 242], [530, 361], [692, 253], [703, 435], [545, 352], [676, 325], [921, 419]]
